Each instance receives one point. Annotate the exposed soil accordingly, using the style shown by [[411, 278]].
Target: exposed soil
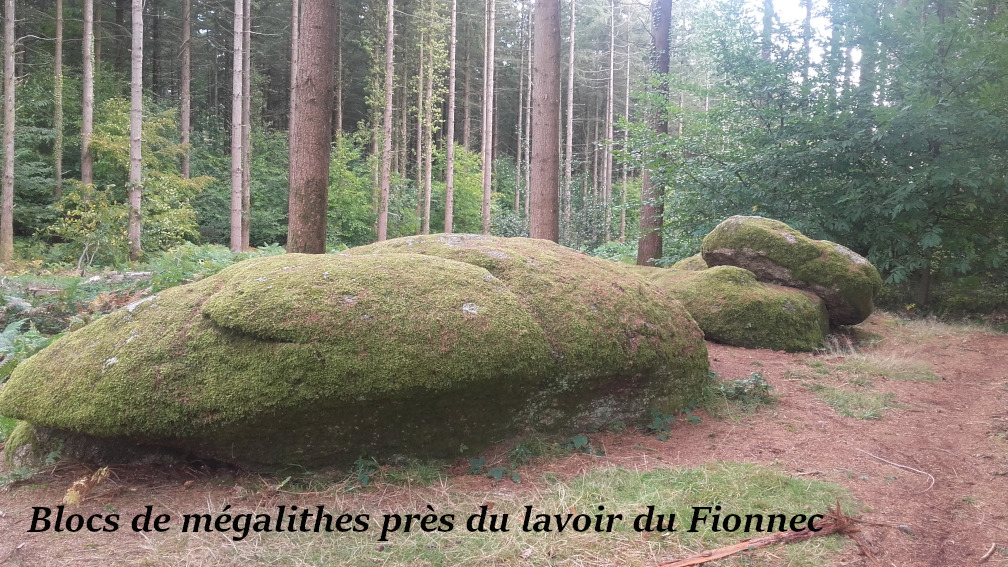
[[950, 510]]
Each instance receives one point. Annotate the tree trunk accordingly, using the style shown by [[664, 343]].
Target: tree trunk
[[295, 39], [186, 86], [58, 102], [544, 221], [450, 134], [607, 184], [649, 247], [311, 131], [338, 125], [7, 197], [386, 161], [98, 35], [569, 144], [246, 125], [236, 126], [521, 110], [767, 33], [87, 102], [488, 119], [419, 154], [428, 141], [136, 134], [626, 139], [153, 49], [528, 121], [466, 95]]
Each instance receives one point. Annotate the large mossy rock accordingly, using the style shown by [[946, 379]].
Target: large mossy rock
[[733, 308], [694, 262], [779, 254], [318, 359]]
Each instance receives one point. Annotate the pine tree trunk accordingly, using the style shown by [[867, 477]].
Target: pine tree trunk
[[311, 130], [428, 141], [295, 39], [569, 144], [136, 123], [521, 110], [607, 185], [87, 102], [186, 86], [58, 102], [450, 133], [419, 154], [544, 221], [386, 161], [246, 125], [466, 95], [528, 122], [649, 247], [338, 125], [236, 126], [626, 139], [7, 197], [488, 119]]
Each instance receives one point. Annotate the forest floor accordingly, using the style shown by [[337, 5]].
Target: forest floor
[[912, 425]]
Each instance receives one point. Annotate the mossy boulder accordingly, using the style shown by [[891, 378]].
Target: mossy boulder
[[694, 262], [733, 308], [607, 328], [317, 359], [779, 254]]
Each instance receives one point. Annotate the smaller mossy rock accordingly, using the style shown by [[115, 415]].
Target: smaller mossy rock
[[779, 254], [694, 262], [26, 447], [733, 308]]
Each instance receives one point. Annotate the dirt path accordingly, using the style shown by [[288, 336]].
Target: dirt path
[[952, 431]]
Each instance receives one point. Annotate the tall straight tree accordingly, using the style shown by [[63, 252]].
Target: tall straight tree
[[58, 101], [295, 33], [626, 138], [488, 107], [7, 197], [236, 125], [569, 144], [386, 164], [607, 176], [450, 133], [544, 219], [311, 129], [652, 212], [87, 95], [246, 125], [136, 130], [185, 116]]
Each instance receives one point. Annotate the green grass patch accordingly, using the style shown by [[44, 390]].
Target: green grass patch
[[738, 488], [890, 366], [860, 405], [7, 425]]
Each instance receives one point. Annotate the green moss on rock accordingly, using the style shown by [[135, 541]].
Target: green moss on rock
[[318, 359], [694, 262], [27, 447], [616, 339], [779, 254], [733, 308]]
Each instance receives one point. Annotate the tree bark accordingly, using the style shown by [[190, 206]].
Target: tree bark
[[450, 133], [428, 141], [237, 151], [136, 134], [186, 86], [58, 102], [626, 139], [295, 33], [386, 161], [419, 154], [521, 110], [488, 118], [311, 131], [466, 95], [649, 247], [7, 197], [338, 124], [607, 181], [87, 102], [544, 221], [569, 144], [246, 125]]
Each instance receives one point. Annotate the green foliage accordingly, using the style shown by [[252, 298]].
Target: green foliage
[[617, 251], [17, 344], [352, 216], [190, 262], [903, 161], [90, 227], [467, 216], [750, 392]]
